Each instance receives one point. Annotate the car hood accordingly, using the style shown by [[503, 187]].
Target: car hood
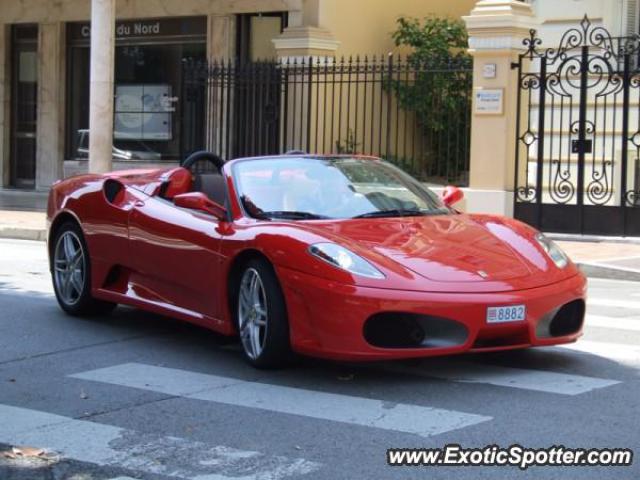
[[449, 248]]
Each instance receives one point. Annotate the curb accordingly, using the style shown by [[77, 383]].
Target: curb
[[16, 233], [599, 271], [570, 237]]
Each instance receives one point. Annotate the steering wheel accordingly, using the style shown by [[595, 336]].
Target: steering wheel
[[196, 157]]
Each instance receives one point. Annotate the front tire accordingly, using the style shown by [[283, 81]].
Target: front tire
[[71, 273], [261, 316]]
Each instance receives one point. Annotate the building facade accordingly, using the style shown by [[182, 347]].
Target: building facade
[[45, 63]]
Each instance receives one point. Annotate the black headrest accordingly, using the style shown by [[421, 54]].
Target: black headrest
[[212, 185]]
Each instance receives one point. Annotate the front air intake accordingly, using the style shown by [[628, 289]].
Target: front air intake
[[410, 330], [566, 320]]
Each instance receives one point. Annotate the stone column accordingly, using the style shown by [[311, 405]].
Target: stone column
[[50, 123], [220, 47], [103, 14], [496, 29], [305, 41], [220, 36], [296, 47], [4, 106]]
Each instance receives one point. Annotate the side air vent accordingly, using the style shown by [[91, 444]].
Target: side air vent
[[112, 188]]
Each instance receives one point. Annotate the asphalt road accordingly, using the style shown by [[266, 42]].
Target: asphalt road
[[135, 395]]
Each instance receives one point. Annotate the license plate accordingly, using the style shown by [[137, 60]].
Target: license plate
[[510, 313]]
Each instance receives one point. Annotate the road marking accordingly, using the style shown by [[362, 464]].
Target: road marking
[[424, 421], [620, 352], [617, 323], [607, 265], [106, 445], [613, 303], [525, 379], [612, 259], [595, 281]]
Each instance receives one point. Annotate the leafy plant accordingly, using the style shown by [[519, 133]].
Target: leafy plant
[[440, 95], [349, 146], [435, 40]]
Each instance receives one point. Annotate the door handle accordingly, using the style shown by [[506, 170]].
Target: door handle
[[138, 203]]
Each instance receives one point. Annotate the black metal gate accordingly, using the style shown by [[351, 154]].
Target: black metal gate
[[578, 133]]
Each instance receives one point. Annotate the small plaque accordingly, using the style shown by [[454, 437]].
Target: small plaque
[[488, 101], [489, 70], [581, 147]]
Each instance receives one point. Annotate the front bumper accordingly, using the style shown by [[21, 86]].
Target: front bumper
[[327, 319]]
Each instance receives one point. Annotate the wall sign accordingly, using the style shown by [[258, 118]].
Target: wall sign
[[488, 101], [145, 28]]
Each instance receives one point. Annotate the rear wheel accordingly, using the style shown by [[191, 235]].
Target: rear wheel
[[261, 316], [71, 273]]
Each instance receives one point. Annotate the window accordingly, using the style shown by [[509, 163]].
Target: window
[[24, 84], [148, 103]]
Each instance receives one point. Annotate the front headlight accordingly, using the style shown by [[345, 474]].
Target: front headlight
[[554, 251], [345, 259]]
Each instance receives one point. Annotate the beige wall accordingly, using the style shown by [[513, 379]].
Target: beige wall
[[263, 29], [365, 27]]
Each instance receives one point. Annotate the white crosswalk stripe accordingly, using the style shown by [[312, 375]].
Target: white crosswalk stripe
[[617, 323], [612, 303], [424, 421], [524, 379], [107, 445]]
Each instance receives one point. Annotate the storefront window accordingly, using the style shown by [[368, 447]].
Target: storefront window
[[149, 55]]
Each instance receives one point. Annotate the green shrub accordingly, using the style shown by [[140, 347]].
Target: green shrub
[[440, 96]]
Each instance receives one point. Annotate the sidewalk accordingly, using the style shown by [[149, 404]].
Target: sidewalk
[[23, 200], [603, 259], [22, 225]]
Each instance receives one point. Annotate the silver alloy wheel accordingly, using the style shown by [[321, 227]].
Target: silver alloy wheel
[[252, 313], [69, 267]]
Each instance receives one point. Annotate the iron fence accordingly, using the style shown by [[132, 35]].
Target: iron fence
[[368, 105]]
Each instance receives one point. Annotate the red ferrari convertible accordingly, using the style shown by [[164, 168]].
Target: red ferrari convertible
[[342, 257]]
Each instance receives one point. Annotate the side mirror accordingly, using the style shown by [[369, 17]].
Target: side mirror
[[452, 195], [199, 201]]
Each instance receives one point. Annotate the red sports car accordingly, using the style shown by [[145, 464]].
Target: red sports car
[[343, 257]]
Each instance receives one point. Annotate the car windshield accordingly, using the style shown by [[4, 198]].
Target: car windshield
[[305, 188]]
